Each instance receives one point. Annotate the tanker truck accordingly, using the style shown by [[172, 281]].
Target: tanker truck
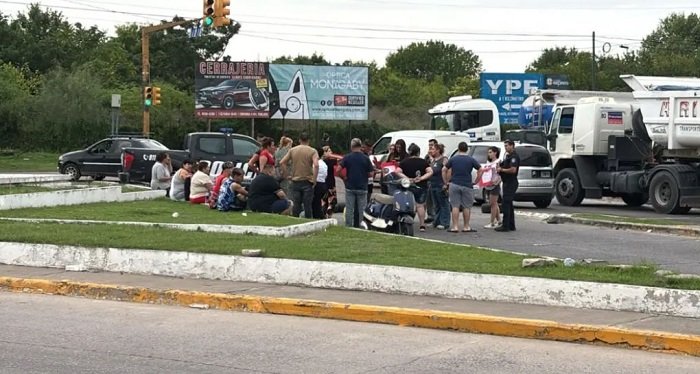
[[643, 151]]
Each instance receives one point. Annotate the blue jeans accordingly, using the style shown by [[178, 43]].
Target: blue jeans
[[442, 207], [354, 199]]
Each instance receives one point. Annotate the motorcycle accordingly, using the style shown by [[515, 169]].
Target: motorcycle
[[393, 213]]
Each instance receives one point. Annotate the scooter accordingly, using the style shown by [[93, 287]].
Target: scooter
[[392, 213]]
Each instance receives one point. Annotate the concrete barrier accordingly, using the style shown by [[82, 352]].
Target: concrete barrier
[[32, 178], [376, 278], [74, 197]]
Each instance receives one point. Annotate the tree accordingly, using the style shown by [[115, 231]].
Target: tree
[[673, 49], [15, 93], [43, 40], [314, 59], [433, 59]]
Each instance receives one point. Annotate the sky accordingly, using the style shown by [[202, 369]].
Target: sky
[[506, 34]]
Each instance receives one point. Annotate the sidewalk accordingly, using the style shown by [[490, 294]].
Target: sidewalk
[[638, 329]]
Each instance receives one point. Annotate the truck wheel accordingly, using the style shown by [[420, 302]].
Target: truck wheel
[[568, 188], [541, 204], [73, 170], [665, 196], [228, 102], [635, 199]]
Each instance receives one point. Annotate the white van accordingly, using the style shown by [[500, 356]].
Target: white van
[[420, 137]]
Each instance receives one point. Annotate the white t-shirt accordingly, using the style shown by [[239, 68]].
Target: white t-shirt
[[198, 186], [322, 172], [158, 171]]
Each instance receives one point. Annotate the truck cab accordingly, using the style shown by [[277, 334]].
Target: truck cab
[[476, 117]]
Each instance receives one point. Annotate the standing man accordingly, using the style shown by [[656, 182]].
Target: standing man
[[304, 174], [457, 176], [358, 168], [429, 203], [508, 169]]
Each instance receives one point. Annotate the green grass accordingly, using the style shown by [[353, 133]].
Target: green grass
[[625, 219], [29, 161], [13, 189], [159, 210], [336, 244]]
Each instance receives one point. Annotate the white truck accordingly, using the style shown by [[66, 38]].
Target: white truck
[[640, 151], [476, 117]]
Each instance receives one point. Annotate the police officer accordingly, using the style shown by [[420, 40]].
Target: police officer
[[508, 169]]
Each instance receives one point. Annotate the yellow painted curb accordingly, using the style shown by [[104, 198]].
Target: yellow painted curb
[[466, 322]]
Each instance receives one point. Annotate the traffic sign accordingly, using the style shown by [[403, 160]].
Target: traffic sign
[[508, 91]]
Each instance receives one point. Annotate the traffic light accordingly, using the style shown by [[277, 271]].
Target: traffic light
[[148, 95], [209, 12], [221, 13], [156, 95]]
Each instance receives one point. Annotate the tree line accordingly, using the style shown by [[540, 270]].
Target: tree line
[[56, 79]]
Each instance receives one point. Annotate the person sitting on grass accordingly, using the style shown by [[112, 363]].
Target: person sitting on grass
[[225, 174], [180, 178], [232, 195], [201, 184], [265, 194]]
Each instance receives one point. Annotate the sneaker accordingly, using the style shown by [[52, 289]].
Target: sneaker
[[490, 226], [440, 227]]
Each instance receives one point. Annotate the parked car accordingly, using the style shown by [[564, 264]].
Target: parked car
[[231, 93], [102, 159], [535, 177], [450, 139], [214, 147]]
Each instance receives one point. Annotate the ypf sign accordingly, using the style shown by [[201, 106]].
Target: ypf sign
[[508, 91]]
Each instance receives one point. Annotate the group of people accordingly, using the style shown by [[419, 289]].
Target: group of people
[[291, 179], [448, 183]]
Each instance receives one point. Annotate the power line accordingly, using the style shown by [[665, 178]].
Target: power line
[[524, 6], [318, 26]]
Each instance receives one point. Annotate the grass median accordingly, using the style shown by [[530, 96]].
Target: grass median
[[28, 161], [159, 210], [337, 244]]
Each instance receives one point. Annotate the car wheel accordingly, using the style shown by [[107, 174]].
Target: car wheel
[[228, 102], [541, 204], [73, 171], [665, 196], [568, 188]]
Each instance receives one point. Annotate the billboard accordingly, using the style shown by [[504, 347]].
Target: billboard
[[508, 91], [225, 89], [557, 82], [319, 92]]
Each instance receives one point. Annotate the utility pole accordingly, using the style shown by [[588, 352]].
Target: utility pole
[[593, 65], [146, 66]]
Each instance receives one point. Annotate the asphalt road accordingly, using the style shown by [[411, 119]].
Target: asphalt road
[[54, 334], [614, 207], [534, 236]]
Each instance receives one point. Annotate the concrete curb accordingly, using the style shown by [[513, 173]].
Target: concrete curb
[[464, 322], [31, 178], [362, 277], [690, 231], [74, 197], [285, 231]]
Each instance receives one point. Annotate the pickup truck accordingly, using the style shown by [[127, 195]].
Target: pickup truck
[[214, 147], [102, 159]]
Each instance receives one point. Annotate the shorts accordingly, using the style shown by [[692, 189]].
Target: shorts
[[461, 196], [496, 190], [420, 194], [280, 206]]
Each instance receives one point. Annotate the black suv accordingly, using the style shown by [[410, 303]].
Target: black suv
[[102, 159]]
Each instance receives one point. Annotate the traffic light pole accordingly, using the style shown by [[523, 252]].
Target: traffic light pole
[[146, 66]]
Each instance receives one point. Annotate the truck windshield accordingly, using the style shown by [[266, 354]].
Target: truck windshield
[[462, 120], [150, 143]]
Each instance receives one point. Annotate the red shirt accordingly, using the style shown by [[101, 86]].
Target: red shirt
[[268, 155]]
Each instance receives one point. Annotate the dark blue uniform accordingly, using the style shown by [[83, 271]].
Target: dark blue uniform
[[510, 185]]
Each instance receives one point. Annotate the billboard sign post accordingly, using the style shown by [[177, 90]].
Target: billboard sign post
[[232, 90], [508, 91]]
